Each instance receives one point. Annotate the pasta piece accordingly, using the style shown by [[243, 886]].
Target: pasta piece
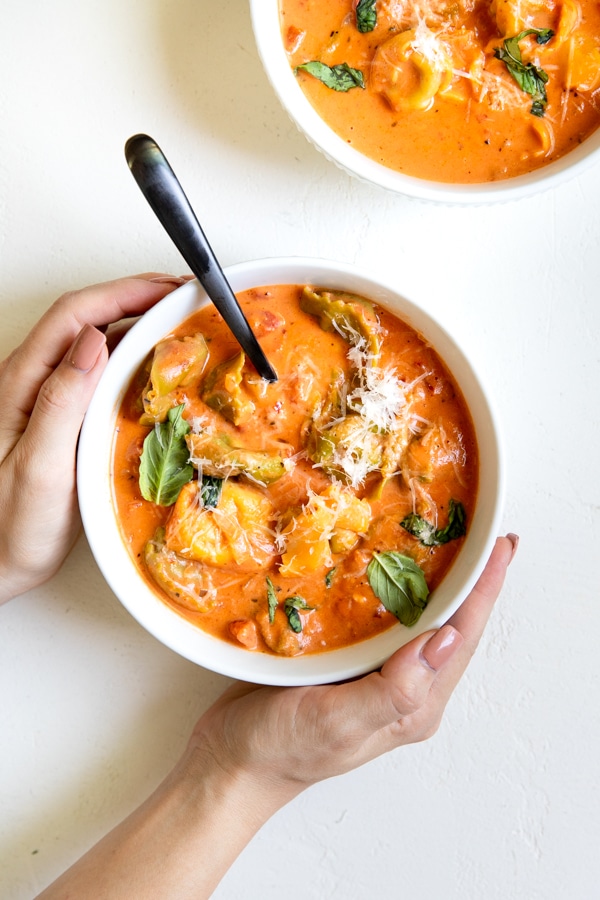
[[185, 581], [568, 20], [175, 364], [514, 16], [218, 455], [222, 390], [351, 316], [584, 72], [428, 454], [410, 68], [544, 132], [331, 522], [235, 532]]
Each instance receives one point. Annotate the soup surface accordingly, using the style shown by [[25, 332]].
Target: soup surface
[[307, 514], [462, 91]]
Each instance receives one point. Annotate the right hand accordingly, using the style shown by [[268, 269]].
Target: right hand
[[285, 739]]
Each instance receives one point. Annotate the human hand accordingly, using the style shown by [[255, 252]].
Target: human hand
[[46, 385], [258, 747], [293, 737]]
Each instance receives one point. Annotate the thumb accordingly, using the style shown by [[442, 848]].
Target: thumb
[[403, 684], [64, 397]]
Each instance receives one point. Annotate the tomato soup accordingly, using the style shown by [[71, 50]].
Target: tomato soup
[[310, 513], [458, 91]]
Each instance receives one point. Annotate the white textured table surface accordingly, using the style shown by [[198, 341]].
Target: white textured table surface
[[504, 802]]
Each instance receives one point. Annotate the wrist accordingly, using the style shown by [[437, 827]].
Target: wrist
[[244, 797]]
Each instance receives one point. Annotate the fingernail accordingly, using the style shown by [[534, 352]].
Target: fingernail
[[441, 647], [168, 279], [514, 539], [86, 348]]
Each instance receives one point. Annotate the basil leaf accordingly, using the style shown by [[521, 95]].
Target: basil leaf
[[164, 464], [271, 599], [210, 491], [338, 78], [529, 77], [291, 607], [538, 108], [400, 584], [428, 535], [330, 576], [457, 524], [366, 15], [543, 35], [420, 528]]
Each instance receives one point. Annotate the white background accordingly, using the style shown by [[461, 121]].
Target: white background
[[504, 802]]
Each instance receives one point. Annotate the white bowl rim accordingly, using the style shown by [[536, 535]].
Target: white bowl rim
[[171, 629], [267, 34]]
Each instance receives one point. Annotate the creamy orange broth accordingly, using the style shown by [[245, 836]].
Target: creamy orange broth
[[234, 608], [437, 103]]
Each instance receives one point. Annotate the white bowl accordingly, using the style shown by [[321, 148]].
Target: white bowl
[[267, 33], [95, 495]]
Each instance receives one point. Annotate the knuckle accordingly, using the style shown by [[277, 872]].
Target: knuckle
[[67, 309], [53, 399], [14, 359], [408, 698], [67, 300]]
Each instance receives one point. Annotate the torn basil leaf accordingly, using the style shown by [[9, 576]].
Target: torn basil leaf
[[290, 607], [271, 600], [538, 108], [366, 15], [339, 78], [330, 576], [529, 77], [400, 584], [164, 463], [210, 491], [431, 536]]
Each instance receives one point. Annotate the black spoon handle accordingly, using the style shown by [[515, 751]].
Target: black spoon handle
[[159, 185]]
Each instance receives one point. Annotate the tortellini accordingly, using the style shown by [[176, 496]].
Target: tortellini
[[514, 16], [176, 364], [223, 391], [236, 532], [409, 69], [218, 455], [331, 522]]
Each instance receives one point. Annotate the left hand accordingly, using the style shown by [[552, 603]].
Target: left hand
[[46, 385]]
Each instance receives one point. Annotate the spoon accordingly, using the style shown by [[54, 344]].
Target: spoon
[[159, 185]]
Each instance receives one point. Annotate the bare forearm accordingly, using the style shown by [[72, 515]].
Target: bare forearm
[[179, 843]]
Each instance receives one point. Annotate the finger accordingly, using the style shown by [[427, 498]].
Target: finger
[[53, 427], [23, 374], [41, 467], [400, 688], [417, 681], [472, 616], [117, 331]]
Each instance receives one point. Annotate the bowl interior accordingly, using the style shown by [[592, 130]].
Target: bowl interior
[[94, 484], [267, 33]]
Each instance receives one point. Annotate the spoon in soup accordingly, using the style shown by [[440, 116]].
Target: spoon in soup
[[161, 188]]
